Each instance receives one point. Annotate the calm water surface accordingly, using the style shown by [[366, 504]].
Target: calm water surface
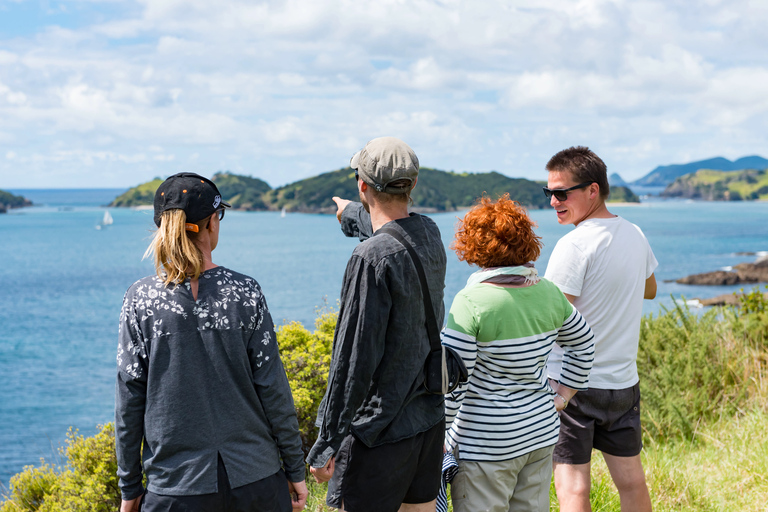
[[62, 282]]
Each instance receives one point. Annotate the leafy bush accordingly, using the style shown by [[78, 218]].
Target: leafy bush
[[307, 360], [695, 369], [87, 483]]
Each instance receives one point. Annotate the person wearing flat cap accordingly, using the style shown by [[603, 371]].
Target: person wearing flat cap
[[203, 408], [381, 433]]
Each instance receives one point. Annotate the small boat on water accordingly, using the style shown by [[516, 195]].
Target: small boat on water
[[282, 212], [107, 220]]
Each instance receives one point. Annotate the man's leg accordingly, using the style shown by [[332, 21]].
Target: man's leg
[[572, 483], [418, 507], [629, 477]]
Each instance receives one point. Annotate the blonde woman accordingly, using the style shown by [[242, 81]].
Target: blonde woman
[[200, 384]]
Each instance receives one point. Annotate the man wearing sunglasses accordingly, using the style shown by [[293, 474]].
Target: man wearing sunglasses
[[605, 268]]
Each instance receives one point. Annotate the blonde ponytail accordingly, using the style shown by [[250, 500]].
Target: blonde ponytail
[[175, 254]]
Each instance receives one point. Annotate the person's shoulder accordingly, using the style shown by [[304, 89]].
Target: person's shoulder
[[144, 284], [227, 276]]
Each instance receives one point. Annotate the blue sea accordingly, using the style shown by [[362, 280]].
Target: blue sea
[[62, 281]]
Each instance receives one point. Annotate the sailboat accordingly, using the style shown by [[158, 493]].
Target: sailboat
[[282, 212], [107, 220]]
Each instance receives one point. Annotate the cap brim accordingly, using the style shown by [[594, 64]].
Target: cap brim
[[225, 204], [355, 162]]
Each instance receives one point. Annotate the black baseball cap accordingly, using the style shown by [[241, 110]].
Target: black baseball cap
[[195, 194]]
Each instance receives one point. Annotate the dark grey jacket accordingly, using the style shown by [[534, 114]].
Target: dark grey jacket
[[375, 386], [200, 378]]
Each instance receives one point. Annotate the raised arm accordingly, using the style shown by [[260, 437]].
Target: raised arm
[[355, 221]]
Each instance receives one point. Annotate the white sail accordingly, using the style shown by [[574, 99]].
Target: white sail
[[107, 219], [282, 212]]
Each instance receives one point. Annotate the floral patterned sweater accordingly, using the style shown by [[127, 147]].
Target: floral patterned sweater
[[197, 379]]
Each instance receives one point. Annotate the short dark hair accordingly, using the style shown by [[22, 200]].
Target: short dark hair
[[584, 165]]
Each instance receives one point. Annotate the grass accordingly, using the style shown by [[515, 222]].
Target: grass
[[724, 470]]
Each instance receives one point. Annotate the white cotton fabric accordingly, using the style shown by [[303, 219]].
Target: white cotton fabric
[[604, 263]]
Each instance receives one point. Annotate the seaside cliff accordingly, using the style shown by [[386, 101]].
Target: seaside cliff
[[8, 201]]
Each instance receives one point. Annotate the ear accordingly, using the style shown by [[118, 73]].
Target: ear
[[361, 185]]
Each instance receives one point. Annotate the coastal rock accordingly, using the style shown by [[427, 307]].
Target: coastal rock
[[729, 299], [747, 273]]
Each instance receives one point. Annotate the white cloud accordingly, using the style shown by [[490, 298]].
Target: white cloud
[[302, 84]]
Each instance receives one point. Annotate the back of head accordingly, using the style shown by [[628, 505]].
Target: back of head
[[183, 204], [389, 166], [497, 234], [583, 165]]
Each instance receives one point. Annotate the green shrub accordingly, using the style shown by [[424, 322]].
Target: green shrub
[[694, 369], [307, 360], [87, 483]]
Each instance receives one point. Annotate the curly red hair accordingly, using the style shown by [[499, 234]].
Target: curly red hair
[[497, 234]]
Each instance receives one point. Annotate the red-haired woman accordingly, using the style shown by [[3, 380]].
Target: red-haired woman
[[503, 423]]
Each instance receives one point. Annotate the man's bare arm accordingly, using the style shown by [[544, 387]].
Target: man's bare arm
[[570, 297], [650, 287]]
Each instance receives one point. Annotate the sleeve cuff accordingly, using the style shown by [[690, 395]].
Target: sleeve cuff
[[320, 454], [131, 492]]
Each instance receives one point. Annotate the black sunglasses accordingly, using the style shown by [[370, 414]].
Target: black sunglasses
[[221, 213], [561, 194], [357, 176]]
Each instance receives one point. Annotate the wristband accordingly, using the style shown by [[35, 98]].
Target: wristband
[[565, 402]]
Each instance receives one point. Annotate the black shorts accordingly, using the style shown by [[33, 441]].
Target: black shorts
[[381, 478], [605, 419], [269, 494]]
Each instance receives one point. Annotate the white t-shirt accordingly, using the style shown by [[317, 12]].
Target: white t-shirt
[[604, 263]]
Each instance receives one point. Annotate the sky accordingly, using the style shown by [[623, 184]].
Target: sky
[[112, 93]]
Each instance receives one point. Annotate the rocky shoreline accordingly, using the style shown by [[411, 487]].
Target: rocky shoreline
[[743, 273]]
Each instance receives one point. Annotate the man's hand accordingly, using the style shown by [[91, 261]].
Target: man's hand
[[299, 494], [340, 204], [325, 473], [130, 505]]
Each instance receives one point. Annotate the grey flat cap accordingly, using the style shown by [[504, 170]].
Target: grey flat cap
[[384, 161]]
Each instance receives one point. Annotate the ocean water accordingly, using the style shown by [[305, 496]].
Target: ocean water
[[62, 281]]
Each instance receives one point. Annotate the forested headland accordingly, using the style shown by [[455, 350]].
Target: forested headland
[[436, 191]]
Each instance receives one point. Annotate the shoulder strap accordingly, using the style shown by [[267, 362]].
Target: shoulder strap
[[429, 312]]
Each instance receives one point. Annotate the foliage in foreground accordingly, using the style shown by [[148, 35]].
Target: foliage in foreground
[[307, 360], [695, 369], [705, 395], [88, 481]]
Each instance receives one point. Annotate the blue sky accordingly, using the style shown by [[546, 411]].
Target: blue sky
[[111, 93]]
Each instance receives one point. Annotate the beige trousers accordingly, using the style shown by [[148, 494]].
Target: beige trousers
[[517, 485]]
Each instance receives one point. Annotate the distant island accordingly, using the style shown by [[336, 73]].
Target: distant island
[[438, 191], [8, 201], [712, 185], [664, 175]]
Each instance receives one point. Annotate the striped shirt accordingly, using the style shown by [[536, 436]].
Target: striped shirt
[[507, 409]]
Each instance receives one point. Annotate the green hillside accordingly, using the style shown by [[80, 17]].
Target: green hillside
[[140, 195], [8, 201], [620, 194], [713, 185], [664, 175], [436, 191], [242, 192]]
